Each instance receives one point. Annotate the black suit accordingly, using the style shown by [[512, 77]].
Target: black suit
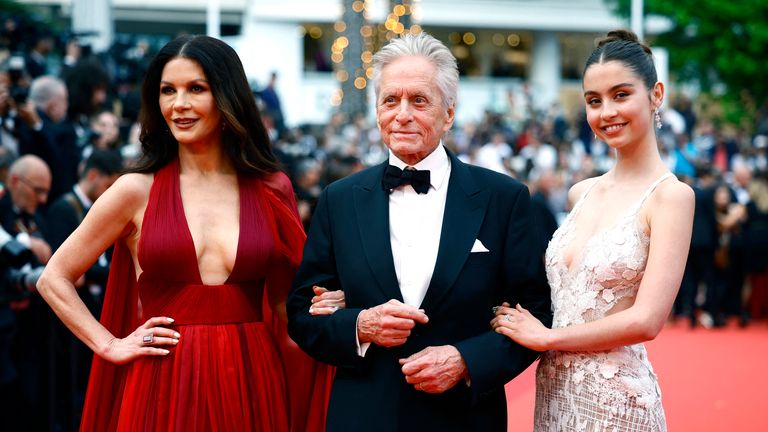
[[29, 341], [348, 248], [56, 144]]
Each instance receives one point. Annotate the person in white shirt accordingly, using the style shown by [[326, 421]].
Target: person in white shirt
[[411, 256]]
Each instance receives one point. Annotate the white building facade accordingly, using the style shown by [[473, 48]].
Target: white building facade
[[511, 52]]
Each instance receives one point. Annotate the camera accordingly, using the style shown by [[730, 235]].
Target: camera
[[19, 95], [18, 272]]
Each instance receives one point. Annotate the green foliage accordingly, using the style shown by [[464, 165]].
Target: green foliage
[[715, 43], [13, 7]]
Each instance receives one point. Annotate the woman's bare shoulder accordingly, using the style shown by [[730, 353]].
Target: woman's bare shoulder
[[134, 185], [673, 192], [129, 192], [577, 190]]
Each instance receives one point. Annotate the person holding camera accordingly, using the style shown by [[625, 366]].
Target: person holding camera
[[48, 134], [28, 184]]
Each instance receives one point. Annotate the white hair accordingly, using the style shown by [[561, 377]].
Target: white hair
[[421, 45], [45, 88]]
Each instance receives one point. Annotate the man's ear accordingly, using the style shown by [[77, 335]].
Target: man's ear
[[450, 117]]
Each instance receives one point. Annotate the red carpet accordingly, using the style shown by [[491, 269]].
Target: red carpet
[[711, 380]]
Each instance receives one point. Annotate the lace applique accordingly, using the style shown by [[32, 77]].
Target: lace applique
[[614, 390]]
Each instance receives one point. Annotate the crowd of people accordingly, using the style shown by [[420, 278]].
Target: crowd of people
[[71, 126]]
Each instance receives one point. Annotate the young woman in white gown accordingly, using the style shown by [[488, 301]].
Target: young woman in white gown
[[615, 264]]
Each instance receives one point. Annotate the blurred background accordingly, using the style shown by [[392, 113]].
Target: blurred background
[[520, 112]]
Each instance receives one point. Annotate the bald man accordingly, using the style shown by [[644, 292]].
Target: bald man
[[28, 185], [28, 333]]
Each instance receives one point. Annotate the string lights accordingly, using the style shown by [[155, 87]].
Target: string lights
[[355, 42]]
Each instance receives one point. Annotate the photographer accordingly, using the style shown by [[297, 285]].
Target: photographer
[[18, 277], [28, 184]]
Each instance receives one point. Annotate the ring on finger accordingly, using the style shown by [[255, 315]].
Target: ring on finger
[[508, 317], [148, 338]]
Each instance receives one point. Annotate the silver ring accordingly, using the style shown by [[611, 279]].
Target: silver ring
[[148, 338], [495, 309], [508, 317]]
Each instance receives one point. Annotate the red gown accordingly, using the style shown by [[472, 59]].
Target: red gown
[[228, 371]]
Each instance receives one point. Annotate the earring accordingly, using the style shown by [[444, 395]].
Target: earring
[[657, 118]]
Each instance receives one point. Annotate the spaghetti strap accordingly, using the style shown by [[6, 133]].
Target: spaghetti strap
[[578, 204], [651, 188]]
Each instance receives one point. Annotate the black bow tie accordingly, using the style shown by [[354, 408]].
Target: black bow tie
[[394, 177]]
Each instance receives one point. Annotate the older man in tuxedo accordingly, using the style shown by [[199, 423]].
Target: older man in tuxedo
[[421, 248]]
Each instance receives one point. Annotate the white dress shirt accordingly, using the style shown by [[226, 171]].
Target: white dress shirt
[[415, 224]]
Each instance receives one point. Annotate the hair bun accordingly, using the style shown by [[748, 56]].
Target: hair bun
[[622, 35]]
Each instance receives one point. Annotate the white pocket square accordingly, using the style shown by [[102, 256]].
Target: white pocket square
[[479, 247]]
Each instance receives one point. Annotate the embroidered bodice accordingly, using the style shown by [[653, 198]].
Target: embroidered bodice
[[614, 390]]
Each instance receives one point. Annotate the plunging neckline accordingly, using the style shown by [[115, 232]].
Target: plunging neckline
[[192, 239], [577, 263]]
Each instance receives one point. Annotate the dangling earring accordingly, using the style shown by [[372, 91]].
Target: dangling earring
[[657, 118]]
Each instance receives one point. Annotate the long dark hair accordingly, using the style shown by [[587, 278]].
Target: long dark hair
[[244, 137], [623, 46]]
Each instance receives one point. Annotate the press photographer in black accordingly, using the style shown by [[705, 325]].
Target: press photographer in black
[[18, 276]]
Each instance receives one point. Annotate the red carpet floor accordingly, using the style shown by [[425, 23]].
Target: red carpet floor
[[712, 380]]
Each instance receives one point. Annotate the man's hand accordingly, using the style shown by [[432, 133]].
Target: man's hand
[[434, 369], [28, 113], [40, 249], [388, 324]]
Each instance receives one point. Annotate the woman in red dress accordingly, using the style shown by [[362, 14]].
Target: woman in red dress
[[207, 238]]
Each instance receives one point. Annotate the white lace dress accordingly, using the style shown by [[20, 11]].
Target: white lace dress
[[614, 390]]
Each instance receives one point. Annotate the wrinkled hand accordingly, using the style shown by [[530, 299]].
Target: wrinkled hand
[[389, 324], [521, 326], [121, 351], [326, 302], [434, 369]]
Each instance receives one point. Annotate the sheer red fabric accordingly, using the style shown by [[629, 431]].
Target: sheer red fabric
[[228, 371]]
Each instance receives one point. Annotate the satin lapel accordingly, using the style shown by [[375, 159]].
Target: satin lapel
[[372, 208], [465, 208]]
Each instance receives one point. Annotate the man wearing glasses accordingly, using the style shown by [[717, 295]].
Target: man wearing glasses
[[27, 187]]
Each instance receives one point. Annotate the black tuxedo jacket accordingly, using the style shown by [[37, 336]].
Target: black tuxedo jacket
[[348, 248]]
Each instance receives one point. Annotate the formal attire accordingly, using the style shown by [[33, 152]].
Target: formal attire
[[466, 245], [227, 372], [27, 331], [700, 265], [611, 390], [56, 144]]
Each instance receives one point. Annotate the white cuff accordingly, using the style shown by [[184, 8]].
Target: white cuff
[[23, 238]]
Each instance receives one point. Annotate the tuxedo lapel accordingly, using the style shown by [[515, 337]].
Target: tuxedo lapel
[[372, 211], [465, 207]]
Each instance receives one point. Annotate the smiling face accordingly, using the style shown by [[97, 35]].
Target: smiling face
[[619, 107], [410, 110], [188, 105]]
